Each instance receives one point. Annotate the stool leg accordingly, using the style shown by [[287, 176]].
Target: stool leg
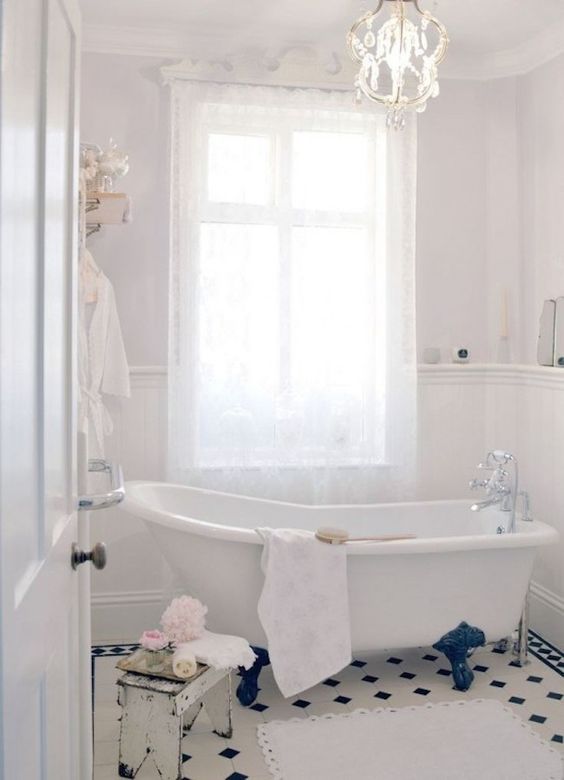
[[190, 716], [217, 702], [135, 717], [165, 739]]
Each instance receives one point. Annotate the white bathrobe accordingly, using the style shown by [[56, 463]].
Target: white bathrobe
[[103, 368]]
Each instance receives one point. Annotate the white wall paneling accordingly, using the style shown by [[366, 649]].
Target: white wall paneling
[[463, 411]]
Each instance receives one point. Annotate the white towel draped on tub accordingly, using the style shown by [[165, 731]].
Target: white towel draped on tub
[[304, 608]]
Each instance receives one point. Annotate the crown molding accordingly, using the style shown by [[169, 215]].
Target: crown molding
[[523, 59], [178, 43]]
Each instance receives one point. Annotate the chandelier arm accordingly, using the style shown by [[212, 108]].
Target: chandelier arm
[[401, 14], [352, 32], [444, 41], [389, 100], [385, 100]]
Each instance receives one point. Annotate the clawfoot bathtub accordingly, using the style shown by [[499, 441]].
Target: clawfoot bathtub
[[402, 594]]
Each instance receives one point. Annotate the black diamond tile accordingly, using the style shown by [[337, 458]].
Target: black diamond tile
[[430, 657], [98, 651], [331, 683], [535, 643], [422, 691], [444, 672], [342, 699], [499, 651], [498, 684], [258, 707], [185, 758], [119, 650], [553, 657], [301, 703], [516, 700], [229, 753], [237, 776], [479, 668], [544, 651], [553, 695], [393, 660], [358, 664], [558, 738], [538, 718], [369, 678], [534, 679], [408, 675], [514, 663], [382, 695]]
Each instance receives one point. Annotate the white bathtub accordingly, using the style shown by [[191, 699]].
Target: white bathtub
[[402, 594]]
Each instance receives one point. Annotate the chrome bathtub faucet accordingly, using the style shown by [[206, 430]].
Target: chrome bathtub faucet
[[502, 487]]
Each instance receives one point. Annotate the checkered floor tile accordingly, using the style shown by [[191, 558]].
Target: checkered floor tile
[[535, 693]]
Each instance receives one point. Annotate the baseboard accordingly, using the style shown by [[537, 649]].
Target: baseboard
[[547, 614], [122, 617]]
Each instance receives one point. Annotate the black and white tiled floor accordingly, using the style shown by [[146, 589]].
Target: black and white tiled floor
[[398, 679]]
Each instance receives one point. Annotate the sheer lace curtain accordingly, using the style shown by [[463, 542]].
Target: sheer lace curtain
[[292, 357]]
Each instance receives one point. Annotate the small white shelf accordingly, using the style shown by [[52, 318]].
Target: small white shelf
[[106, 208]]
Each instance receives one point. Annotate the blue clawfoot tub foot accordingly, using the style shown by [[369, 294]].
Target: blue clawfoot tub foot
[[456, 645], [247, 690]]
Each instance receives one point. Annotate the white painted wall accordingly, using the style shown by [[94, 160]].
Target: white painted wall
[[488, 156], [541, 129], [122, 97]]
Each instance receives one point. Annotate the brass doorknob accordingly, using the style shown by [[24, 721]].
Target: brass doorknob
[[97, 556]]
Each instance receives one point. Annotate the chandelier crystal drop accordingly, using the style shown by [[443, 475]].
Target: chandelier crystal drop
[[398, 58]]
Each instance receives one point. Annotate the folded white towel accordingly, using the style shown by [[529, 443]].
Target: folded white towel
[[304, 608], [184, 664], [220, 651]]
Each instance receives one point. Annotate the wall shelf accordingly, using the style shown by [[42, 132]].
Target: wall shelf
[[106, 208]]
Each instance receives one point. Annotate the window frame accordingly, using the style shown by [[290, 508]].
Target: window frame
[[281, 214]]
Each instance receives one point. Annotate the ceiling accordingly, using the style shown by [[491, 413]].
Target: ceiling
[[480, 30]]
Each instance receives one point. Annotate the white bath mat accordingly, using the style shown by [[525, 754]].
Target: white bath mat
[[463, 740]]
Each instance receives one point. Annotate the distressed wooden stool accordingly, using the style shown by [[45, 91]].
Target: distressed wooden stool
[[157, 713]]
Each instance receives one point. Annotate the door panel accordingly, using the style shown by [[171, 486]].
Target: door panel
[[39, 659]]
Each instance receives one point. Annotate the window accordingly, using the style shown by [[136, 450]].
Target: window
[[281, 286]]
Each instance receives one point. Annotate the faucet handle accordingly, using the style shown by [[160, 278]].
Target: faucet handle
[[474, 484]]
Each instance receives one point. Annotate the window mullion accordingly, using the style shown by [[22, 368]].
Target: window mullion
[[284, 198]]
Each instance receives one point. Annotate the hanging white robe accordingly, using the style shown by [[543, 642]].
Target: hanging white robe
[[103, 368]]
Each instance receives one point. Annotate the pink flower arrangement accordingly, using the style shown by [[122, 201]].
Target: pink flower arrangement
[[154, 640], [184, 619]]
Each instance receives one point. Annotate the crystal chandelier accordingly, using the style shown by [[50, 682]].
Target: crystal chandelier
[[398, 64]]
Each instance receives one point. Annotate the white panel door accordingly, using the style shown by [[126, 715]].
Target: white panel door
[[39, 671]]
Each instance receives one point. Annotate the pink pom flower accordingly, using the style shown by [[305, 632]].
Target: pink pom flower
[[153, 640], [184, 619]]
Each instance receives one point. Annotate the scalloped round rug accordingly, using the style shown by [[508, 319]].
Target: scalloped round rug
[[478, 739]]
